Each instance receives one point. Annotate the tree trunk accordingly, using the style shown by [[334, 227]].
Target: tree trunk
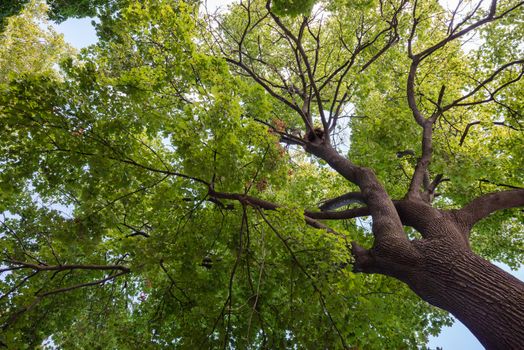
[[441, 267], [447, 274], [488, 300]]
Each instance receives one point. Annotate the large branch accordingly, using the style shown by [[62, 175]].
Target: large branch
[[423, 162], [410, 213], [339, 215], [406, 210], [427, 123], [340, 201], [387, 226], [482, 206], [42, 267], [263, 204]]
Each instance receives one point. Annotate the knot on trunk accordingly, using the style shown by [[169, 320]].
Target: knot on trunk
[[364, 260]]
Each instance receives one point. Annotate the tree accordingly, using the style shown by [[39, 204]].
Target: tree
[[190, 181], [27, 48], [58, 10]]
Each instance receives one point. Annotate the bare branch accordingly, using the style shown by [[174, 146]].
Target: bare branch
[[305, 59], [482, 206], [346, 66], [469, 125], [482, 84], [19, 284], [22, 264], [463, 137], [40, 296], [458, 34], [427, 124], [263, 204], [500, 184], [266, 87], [340, 201], [135, 163]]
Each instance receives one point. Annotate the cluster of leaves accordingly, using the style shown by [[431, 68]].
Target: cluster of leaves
[[26, 48], [58, 10], [293, 7]]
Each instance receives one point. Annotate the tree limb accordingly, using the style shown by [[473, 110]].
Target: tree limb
[[482, 84], [339, 215], [423, 162], [304, 58], [416, 59], [340, 201], [263, 204], [38, 267], [481, 207]]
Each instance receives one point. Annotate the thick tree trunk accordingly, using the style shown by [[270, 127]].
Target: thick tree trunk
[[489, 301], [447, 274]]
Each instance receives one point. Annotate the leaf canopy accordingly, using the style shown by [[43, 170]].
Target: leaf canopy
[[108, 158]]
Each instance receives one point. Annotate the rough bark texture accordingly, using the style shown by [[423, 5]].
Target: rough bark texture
[[441, 267], [489, 301], [447, 274]]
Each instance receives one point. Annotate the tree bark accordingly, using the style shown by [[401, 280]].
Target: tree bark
[[488, 300], [449, 275], [441, 267]]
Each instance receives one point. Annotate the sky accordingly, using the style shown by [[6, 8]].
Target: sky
[[80, 33]]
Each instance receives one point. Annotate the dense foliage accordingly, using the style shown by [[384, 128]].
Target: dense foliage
[[58, 10], [124, 171]]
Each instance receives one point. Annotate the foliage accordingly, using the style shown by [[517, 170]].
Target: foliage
[[26, 47], [293, 7], [109, 158], [58, 10]]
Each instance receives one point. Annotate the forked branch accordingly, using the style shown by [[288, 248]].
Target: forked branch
[[454, 33]]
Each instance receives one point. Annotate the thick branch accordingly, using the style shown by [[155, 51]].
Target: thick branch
[[414, 213], [263, 204], [419, 118], [339, 215], [387, 226], [340, 201], [38, 267], [481, 207], [422, 163]]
